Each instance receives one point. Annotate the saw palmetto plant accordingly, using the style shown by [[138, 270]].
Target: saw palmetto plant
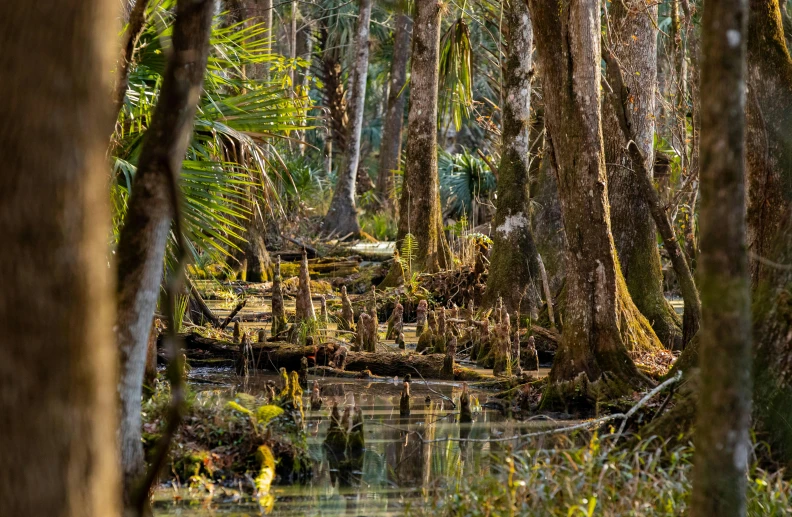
[[229, 173]]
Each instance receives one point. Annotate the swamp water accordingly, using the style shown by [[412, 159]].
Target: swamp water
[[406, 459]]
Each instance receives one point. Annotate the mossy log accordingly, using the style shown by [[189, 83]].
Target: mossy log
[[275, 355]]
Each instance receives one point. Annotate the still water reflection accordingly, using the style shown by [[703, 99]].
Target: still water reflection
[[404, 461]]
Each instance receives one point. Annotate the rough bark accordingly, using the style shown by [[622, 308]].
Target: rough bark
[[274, 355], [135, 26], [333, 94], [769, 73], [628, 125], [419, 209], [568, 51], [141, 247], [724, 407], [294, 15], [341, 218], [420, 317], [279, 322], [632, 40], [58, 422], [546, 222], [769, 166], [769, 145], [390, 150], [514, 272], [395, 322], [304, 309]]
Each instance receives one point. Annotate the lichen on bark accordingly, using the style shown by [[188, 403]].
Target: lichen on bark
[[514, 270]]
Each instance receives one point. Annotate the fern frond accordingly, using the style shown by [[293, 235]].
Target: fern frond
[[409, 251]]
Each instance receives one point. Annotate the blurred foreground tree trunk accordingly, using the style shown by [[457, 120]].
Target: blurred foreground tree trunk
[[141, 247], [514, 273], [724, 407], [598, 305], [57, 356], [341, 218], [769, 214], [390, 150]]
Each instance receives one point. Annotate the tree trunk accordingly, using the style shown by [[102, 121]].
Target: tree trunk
[[390, 150], [568, 45], [514, 273], [135, 26], [341, 218], [769, 165], [419, 208], [59, 422], [141, 247], [770, 79], [724, 408], [632, 39], [258, 12], [546, 221], [295, 13], [769, 147], [333, 93]]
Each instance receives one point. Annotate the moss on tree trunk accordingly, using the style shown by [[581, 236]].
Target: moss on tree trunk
[[569, 55], [632, 38], [769, 225], [514, 273], [419, 208]]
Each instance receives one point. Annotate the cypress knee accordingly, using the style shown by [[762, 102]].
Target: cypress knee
[[278, 314]]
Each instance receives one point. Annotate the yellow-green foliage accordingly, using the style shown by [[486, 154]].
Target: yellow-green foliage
[[265, 414], [264, 479], [317, 286], [192, 462], [232, 404], [296, 392], [261, 417]]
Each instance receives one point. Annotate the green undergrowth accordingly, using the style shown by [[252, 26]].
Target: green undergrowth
[[221, 438], [649, 479]]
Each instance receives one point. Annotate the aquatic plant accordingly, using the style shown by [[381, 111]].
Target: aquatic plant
[[596, 479]]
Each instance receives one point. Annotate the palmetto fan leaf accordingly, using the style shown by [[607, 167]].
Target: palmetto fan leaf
[[464, 177], [226, 177]]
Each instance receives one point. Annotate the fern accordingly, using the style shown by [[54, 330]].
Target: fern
[[409, 250]]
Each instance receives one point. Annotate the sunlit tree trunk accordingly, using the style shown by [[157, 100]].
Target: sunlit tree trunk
[[598, 304], [514, 271], [419, 208], [632, 38], [258, 12], [57, 354], [141, 247], [724, 407], [341, 218], [390, 150]]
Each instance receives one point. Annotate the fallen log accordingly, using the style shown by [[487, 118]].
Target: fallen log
[[239, 307], [552, 335], [275, 355], [199, 301]]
